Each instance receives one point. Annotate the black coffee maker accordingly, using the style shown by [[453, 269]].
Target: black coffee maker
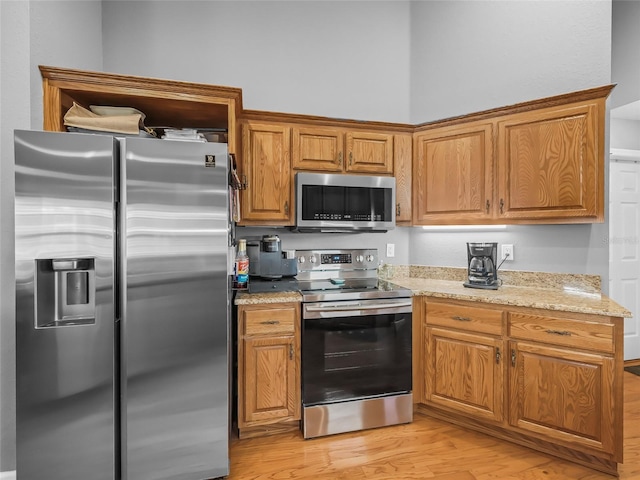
[[482, 271]]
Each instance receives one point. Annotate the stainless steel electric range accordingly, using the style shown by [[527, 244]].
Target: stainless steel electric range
[[356, 343]]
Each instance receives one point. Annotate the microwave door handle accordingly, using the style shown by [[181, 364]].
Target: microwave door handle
[[355, 306]]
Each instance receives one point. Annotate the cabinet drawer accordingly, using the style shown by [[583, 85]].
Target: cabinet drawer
[[272, 321], [466, 318], [562, 331]]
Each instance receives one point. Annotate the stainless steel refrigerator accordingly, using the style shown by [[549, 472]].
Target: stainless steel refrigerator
[[122, 331]]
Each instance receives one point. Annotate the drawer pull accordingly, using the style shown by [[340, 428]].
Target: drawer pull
[[559, 332], [498, 355], [461, 319], [513, 357], [270, 322], [290, 352]]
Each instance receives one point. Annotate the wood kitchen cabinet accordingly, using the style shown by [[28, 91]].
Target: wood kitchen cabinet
[[563, 380], [164, 102], [369, 152], [269, 396], [268, 197], [402, 162], [535, 162], [340, 150], [453, 174], [317, 148], [290, 143], [540, 161], [551, 381], [550, 163], [464, 365]]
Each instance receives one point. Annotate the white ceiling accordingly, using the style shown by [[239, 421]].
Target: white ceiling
[[630, 111]]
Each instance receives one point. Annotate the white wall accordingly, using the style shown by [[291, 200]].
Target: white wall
[[14, 113], [57, 33], [476, 55], [625, 133], [339, 59], [469, 56], [625, 56], [543, 248]]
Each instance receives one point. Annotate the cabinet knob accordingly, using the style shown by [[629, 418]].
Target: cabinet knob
[[290, 352], [513, 357], [498, 355]]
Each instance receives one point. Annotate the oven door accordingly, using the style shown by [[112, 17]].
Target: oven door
[[355, 349]]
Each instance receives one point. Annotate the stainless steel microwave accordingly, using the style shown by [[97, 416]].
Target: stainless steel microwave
[[340, 203]]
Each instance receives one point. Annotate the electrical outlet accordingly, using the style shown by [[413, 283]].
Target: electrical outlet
[[391, 249], [507, 251]]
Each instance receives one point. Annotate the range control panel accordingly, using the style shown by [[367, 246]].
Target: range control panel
[[333, 258], [336, 260]]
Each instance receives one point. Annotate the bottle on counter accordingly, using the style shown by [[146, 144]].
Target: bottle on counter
[[241, 270]]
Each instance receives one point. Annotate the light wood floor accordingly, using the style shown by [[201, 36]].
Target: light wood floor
[[424, 449]]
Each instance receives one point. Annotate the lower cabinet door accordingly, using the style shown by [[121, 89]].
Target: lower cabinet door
[[563, 395], [269, 378], [464, 372]]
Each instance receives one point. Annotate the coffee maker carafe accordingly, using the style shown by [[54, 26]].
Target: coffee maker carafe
[[482, 270]]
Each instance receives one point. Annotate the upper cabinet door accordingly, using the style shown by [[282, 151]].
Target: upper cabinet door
[[453, 174], [369, 152], [266, 164], [317, 149], [550, 163], [402, 158]]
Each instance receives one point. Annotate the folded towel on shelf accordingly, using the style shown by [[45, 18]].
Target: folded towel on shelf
[[78, 116]]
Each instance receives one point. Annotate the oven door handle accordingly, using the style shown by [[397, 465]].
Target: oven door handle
[[355, 306]]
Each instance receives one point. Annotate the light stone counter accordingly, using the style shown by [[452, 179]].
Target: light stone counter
[[549, 291], [562, 292], [246, 298]]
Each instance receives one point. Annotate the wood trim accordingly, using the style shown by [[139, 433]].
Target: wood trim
[[565, 98], [269, 429], [112, 80], [278, 117]]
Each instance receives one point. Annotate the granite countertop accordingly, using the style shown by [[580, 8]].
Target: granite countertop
[[570, 300], [246, 298], [551, 291]]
